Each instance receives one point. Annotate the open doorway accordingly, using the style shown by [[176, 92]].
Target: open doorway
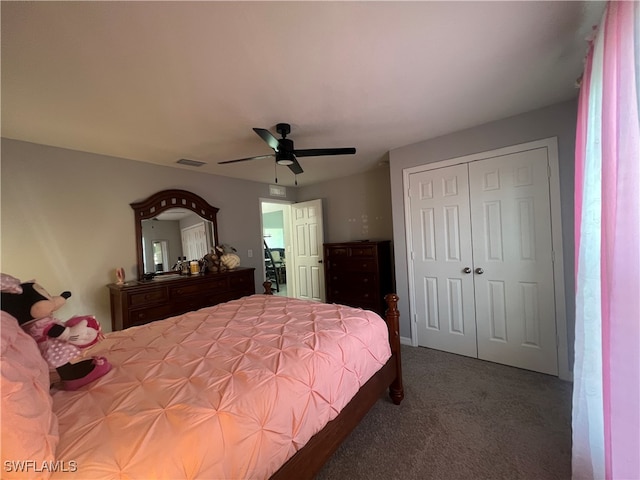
[[276, 238], [295, 231]]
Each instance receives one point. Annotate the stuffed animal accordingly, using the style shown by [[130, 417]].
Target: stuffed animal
[[228, 256], [230, 260], [212, 262], [59, 342], [219, 251]]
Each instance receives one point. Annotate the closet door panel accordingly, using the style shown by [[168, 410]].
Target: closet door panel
[[512, 245], [441, 250]]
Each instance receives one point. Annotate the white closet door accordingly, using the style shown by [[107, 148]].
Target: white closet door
[[512, 246], [441, 250]]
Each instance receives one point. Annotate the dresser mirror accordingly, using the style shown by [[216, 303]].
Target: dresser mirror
[[172, 224]]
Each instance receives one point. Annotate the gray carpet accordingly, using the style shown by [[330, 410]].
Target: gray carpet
[[464, 419]]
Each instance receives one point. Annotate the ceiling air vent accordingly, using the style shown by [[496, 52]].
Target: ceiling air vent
[[191, 163]]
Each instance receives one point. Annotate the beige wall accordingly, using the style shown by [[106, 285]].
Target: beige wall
[[66, 219], [357, 207]]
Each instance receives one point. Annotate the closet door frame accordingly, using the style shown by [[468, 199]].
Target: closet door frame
[[551, 145]]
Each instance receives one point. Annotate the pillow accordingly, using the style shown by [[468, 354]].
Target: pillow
[[29, 426]]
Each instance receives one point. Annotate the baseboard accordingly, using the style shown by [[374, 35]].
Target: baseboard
[[406, 341]]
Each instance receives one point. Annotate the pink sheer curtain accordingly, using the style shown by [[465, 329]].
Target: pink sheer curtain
[[606, 403]]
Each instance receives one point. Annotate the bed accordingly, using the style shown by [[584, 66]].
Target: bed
[[260, 387]]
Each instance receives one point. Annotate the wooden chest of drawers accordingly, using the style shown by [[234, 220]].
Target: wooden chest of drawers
[[358, 274], [136, 303]]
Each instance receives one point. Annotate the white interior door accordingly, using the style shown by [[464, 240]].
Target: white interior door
[[492, 218], [441, 239], [512, 247], [307, 243]]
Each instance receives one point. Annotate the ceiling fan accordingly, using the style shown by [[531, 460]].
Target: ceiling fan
[[285, 153]]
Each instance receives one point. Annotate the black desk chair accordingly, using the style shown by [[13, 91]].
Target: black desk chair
[[270, 266]]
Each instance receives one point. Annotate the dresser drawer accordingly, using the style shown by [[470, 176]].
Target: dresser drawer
[[357, 251], [363, 295], [189, 304], [365, 281], [148, 297], [242, 281], [365, 300], [353, 264], [151, 314], [364, 251], [337, 252], [180, 291]]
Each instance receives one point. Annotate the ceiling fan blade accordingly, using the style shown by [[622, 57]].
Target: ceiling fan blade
[[295, 167], [317, 152], [268, 137], [245, 159]]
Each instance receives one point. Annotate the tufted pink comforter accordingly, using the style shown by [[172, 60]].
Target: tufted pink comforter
[[226, 392]]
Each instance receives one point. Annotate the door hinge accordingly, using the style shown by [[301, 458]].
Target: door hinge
[[548, 170]]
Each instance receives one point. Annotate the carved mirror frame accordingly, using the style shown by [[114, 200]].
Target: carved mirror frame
[[165, 200]]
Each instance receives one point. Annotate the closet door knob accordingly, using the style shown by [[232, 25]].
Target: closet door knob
[[479, 271], [466, 270]]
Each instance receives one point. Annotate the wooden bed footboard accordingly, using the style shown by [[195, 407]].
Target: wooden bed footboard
[[306, 463]]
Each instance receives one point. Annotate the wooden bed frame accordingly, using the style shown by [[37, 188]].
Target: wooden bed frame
[[306, 463]]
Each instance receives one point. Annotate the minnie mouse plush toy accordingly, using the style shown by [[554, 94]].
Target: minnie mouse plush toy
[[59, 342]]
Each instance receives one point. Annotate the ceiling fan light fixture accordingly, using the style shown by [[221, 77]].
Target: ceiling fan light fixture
[[284, 158]]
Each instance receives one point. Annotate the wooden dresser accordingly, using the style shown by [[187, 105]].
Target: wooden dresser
[[358, 274], [139, 302]]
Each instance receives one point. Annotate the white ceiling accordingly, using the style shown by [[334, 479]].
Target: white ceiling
[[160, 81]]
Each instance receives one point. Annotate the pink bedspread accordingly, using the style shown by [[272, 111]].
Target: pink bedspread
[[226, 392]]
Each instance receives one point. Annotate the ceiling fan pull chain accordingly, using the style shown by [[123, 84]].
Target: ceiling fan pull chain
[[295, 177], [275, 171]]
